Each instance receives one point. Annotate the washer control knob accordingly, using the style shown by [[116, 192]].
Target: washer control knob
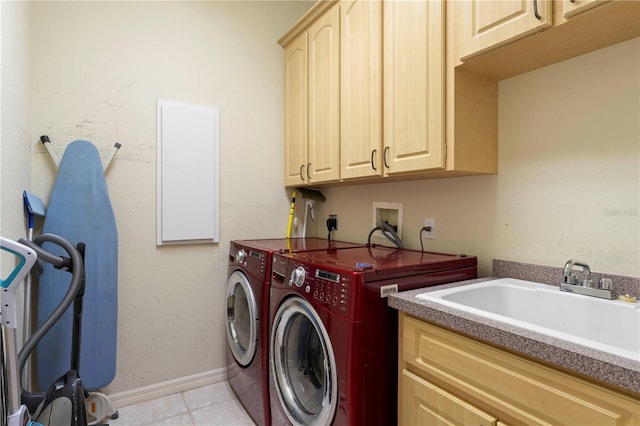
[[297, 276], [241, 255], [307, 288]]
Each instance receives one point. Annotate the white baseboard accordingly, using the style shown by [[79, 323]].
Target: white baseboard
[[158, 390]]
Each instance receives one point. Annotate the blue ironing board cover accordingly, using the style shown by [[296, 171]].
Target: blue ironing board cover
[[80, 211]]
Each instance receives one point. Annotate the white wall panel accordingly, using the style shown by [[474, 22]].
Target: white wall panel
[[187, 173]]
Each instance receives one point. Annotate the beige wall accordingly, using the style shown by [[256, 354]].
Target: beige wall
[[569, 175], [15, 161], [97, 71], [569, 159], [15, 164]]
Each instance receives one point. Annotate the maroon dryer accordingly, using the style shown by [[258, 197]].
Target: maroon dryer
[[334, 340]]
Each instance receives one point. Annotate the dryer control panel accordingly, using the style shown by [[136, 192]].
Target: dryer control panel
[[330, 289], [252, 261]]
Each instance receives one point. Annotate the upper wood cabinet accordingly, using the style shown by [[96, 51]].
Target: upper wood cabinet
[[408, 102], [409, 89], [413, 86], [295, 125], [421, 138], [324, 97], [579, 27], [361, 88], [312, 90], [487, 24], [385, 114], [573, 7]]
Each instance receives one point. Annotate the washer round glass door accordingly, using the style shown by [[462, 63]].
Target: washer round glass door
[[303, 364], [242, 318]]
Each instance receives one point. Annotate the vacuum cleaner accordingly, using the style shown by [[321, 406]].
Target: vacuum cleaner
[[64, 402], [17, 414]]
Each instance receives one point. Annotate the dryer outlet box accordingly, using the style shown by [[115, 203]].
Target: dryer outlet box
[[390, 213]]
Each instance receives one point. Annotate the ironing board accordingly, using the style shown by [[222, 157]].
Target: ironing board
[[80, 211]]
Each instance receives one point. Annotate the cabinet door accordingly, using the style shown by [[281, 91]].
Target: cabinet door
[[324, 97], [424, 403], [413, 86], [295, 92], [528, 392], [573, 7], [487, 24], [361, 88]]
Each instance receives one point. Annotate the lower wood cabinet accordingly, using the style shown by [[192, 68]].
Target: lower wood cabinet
[[428, 404], [448, 378]]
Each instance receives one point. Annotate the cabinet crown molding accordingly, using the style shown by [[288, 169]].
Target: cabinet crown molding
[[301, 24]]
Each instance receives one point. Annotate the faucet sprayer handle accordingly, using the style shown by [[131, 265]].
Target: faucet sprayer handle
[[606, 284]]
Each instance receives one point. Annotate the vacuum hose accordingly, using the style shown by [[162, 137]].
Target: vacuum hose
[[75, 265]]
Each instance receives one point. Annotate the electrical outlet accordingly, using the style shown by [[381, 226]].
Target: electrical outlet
[[332, 222], [431, 224]]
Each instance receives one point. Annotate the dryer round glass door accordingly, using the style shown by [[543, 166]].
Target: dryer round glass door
[[242, 318], [304, 366]]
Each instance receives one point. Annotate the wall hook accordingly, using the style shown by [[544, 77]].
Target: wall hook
[[105, 163]]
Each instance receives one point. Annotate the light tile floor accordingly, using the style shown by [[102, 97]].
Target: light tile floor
[[213, 405]]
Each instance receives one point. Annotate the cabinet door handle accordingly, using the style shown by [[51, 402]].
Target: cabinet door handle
[[384, 157], [373, 153], [301, 176], [535, 10], [308, 167]]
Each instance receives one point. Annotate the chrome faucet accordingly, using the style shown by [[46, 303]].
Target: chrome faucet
[[568, 276], [571, 283]]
